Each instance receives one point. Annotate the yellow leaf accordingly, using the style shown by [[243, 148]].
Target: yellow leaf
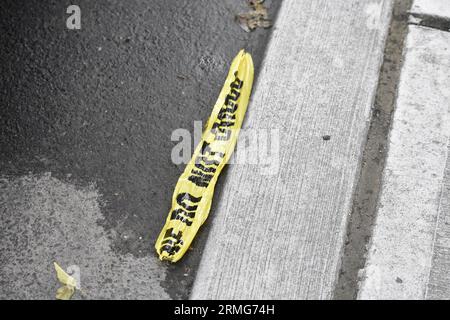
[[69, 283], [65, 293]]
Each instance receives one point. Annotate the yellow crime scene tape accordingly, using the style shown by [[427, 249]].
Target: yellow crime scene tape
[[194, 191]]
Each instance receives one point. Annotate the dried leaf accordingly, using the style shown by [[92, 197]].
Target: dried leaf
[[264, 24], [252, 24], [242, 22], [253, 3], [261, 10], [65, 293], [257, 17], [69, 283]]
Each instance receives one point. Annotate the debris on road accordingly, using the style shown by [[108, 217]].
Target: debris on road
[[194, 191], [256, 17], [69, 284]]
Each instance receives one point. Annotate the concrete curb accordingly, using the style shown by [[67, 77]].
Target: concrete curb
[[280, 235]]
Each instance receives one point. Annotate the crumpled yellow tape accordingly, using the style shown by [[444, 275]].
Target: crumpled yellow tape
[[191, 201], [69, 284]]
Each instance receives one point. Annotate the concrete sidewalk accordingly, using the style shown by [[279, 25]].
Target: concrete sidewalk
[[409, 255], [431, 8]]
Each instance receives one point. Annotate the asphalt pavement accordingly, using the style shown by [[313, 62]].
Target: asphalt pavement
[[86, 119]]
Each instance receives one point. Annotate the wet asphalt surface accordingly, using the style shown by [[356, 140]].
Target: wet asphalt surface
[[98, 105]]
